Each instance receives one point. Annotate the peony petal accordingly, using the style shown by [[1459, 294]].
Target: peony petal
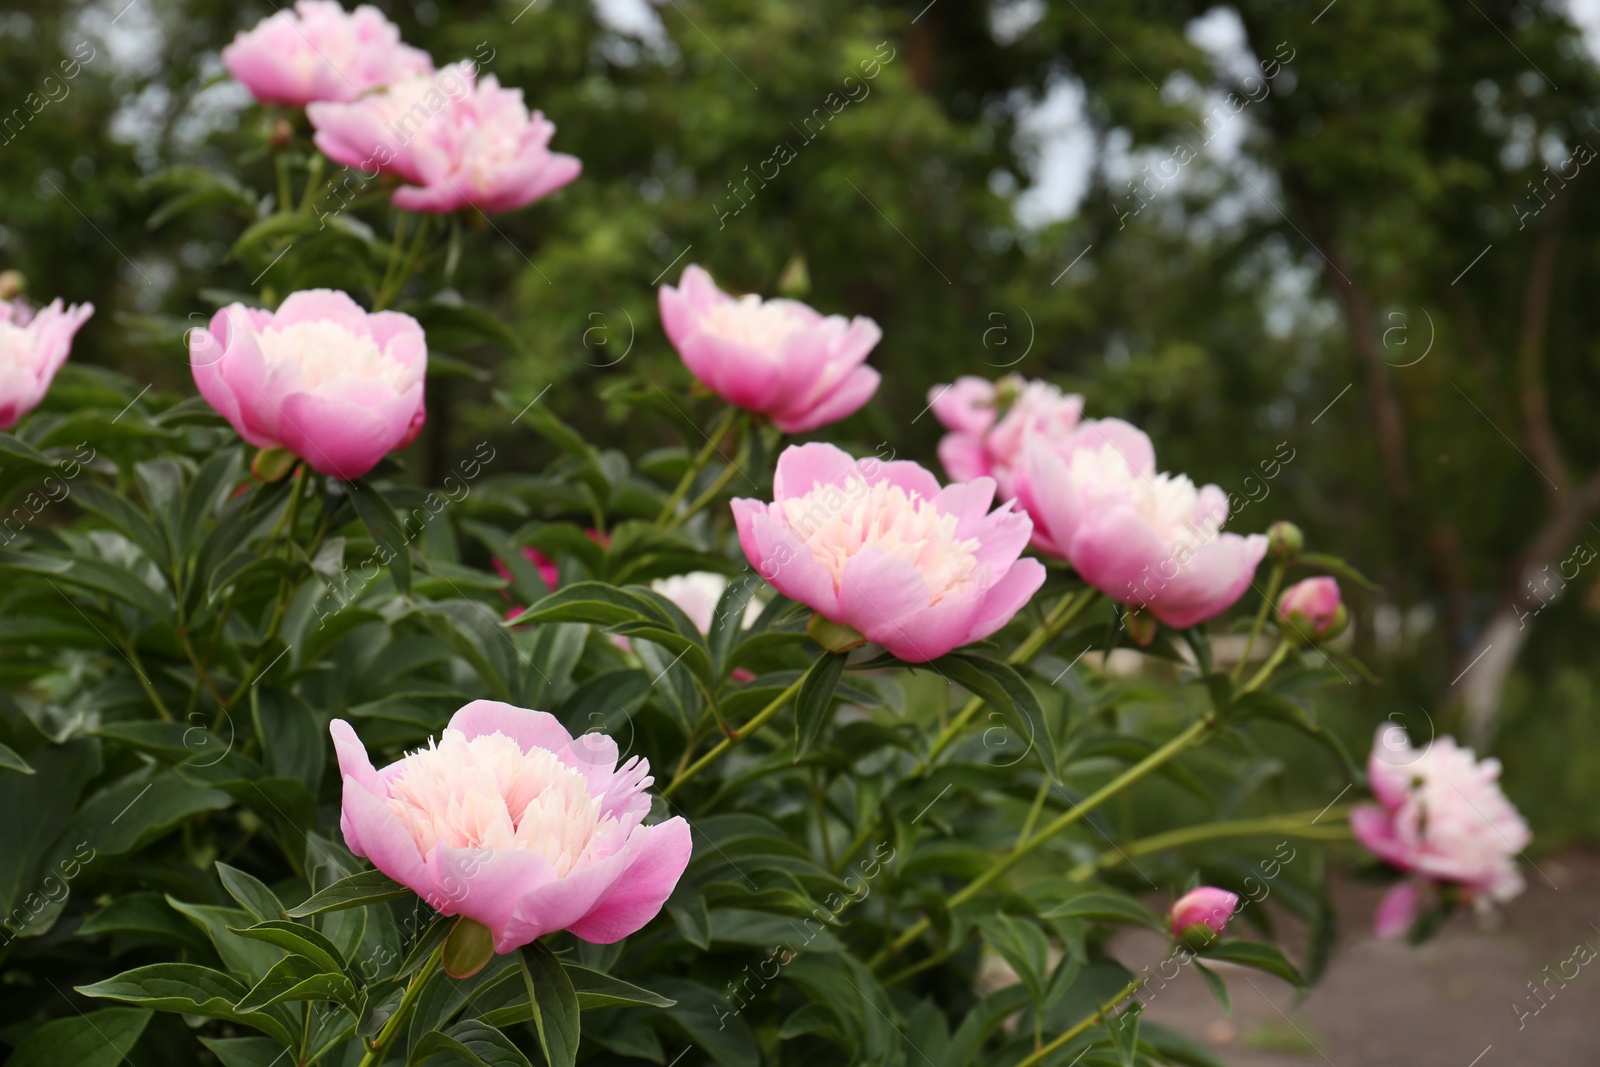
[[344, 439], [848, 397], [1007, 597], [1397, 911], [381, 838], [663, 853], [529, 729], [1209, 582]]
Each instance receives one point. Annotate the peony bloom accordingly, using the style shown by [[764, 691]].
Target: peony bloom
[[1146, 539], [777, 358], [321, 52], [458, 141], [880, 547], [697, 595], [1207, 906], [1441, 816], [989, 421], [549, 571], [335, 385], [33, 345], [1313, 609], [511, 821]]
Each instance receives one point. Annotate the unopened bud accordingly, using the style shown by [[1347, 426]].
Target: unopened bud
[[1285, 542], [12, 283], [282, 135]]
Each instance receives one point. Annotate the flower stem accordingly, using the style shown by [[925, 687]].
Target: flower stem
[[1044, 1051], [1299, 824], [1284, 645], [718, 485], [379, 1047], [1194, 732], [1067, 609], [756, 722], [1261, 620], [696, 465]]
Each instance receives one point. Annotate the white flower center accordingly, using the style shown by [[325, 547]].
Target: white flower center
[[837, 524], [762, 325], [486, 793], [326, 352], [1166, 501]]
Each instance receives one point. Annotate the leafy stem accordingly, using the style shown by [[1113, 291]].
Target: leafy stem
[[756, 722], [378, 1048], [1043, 1052], [1261, 619], [696, 466]]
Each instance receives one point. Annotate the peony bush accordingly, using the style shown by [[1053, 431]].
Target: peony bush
[[781, 754]]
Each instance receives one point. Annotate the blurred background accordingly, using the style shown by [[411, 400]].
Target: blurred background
[[1338, 258]]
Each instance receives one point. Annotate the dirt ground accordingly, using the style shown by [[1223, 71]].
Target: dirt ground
[[1465, 999]]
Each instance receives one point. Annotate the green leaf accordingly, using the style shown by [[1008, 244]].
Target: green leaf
[[591, 602], [1265, 704], [384, 526], [1105, 907], [596, 990], [245, 1051], [1218, 987], [555, 1004], [368, 887], [1333, 564], [472, 1042], [186, 988], [1259, 955], [298, 939], [142, 914], [1001, 686], [94, 1039], [1178, 1048], [9, 760], [816, 696], [244, 957], [251, 893], [13, 448], [136, 811], [295, 978]]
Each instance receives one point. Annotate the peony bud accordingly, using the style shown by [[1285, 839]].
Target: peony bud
[[1141, 627], [1313, 610], [1285, 542], [12, 283], [281, 136], [1199, 916]]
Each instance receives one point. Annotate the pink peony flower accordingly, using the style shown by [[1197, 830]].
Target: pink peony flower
[[321, 52], [335, 385], [1441, 815], [989, 421], [1206, 906], [1143, 538], [881, 548], [33, 345], [1313, 608], [511, 821], [777, 358], [460, 142], [549, 571], [1397, 911]]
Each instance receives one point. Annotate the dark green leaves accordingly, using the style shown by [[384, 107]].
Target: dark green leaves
[[1259, 955], [186, 988], [394, 550], [555, 1004], [472, 1042], [816, 696], [368, 887], [95, 1039], [1004, 689]]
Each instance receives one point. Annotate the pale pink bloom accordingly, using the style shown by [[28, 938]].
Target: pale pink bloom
[[1397, 911], [697, 594], [983, 441], [33, 345], [511, 821], [1441, 815], [1312, 606], [457, 141], [882, 548], [335, 385], [321, 52], [1206, 906], [777, 358], [1144, 538]]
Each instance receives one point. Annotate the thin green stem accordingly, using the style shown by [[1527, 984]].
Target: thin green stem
[[1033, 812], [144, 682], [1284, 645], [820, 799], [1261, 620], [1043, 1051], [285, 187], [756, 722], [408, 266], [1299, 824], [395, 247], [696, 465], [379, 1047], [1066, 610], [717, 486], [1132, 775], [313, 184]]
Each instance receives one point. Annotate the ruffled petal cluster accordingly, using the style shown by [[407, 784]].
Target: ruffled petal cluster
[[319, 51], [990, 422], [33, 345]]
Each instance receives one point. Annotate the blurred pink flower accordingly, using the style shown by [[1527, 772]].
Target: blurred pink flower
[[1143, 538], [1441, 815], [1313, 607], [983, 441], [777, 358], [1397, 911], [1206, 906], [549, 572], [511, 821], [880, 547], [321, 52], [33, 345], [457, 141], [321, 377]]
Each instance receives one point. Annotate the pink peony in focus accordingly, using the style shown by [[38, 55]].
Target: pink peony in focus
[[1206, 906], [33, 345], [989, 421], [335, 385], [777, 358], [321, 52], [1313, 608], [880, 547], [511, 821], [458, 142], [1146, 539], [1441, 816]]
